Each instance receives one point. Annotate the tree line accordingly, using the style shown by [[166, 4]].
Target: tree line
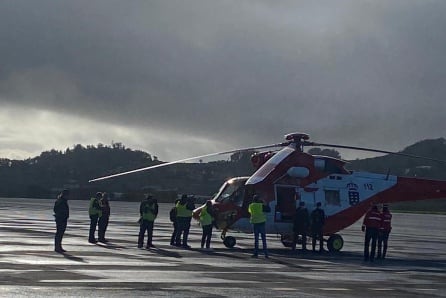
[[45, 175]]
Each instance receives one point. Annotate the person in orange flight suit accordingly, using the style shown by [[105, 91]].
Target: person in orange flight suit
[[384, 231], [371, 225]]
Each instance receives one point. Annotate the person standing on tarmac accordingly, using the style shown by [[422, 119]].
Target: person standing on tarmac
[[371, 225], [184, 216], [148, 211], [206, 220], [95, 212], [173, 219], [384, 231], [301, 224], [317, 226], [61, 214], [105, 216], [257, 211]]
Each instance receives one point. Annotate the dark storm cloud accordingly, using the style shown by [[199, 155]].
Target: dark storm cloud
[[366, 73]]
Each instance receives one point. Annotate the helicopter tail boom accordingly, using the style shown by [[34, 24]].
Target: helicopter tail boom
[[414, 189]]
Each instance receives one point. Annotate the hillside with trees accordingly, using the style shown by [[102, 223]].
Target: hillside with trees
[[45, 175], [411, 167]]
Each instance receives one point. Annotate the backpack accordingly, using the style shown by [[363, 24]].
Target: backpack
[[173, 214]]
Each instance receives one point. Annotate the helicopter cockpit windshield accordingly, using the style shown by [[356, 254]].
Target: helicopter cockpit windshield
[[232, 191]]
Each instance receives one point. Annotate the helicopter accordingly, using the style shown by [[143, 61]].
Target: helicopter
[[286, 177]]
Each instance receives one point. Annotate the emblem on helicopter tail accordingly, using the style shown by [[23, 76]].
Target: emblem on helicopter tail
[[353, 194]]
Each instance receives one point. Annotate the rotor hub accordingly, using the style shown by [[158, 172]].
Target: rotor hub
[[297, 137]]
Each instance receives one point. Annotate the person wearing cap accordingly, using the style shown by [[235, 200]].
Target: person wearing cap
[[371, 225], [148, 211], [257, 211], [384, 231], [104, 219], [184, 216], [61, 215], [301, 223], [317, 218], [94, 211]]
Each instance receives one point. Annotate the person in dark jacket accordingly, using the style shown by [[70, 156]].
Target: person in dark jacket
[[61, 215], [300, 225], [384, 231], [317, 218], [94, 212], [371, 225], [104, 219], [173, 219]]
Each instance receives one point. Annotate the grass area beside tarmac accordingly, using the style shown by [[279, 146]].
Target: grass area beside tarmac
[[437, 206]]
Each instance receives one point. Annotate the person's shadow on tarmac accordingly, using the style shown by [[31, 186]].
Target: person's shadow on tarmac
[[165, 252], [72, 258]]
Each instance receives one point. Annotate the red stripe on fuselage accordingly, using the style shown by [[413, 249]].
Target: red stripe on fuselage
[[406, 189]]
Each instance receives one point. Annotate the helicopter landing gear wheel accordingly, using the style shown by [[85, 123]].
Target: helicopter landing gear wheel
[[335, 243], [229, 241]]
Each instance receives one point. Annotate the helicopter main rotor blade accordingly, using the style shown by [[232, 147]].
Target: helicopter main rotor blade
[[372, 150], [187, 159]]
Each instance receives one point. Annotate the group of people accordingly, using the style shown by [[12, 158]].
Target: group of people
[[181, 216], [99, 213], [377, 225], [305, 222]]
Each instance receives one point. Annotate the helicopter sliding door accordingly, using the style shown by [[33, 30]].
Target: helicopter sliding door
[[285, 203]]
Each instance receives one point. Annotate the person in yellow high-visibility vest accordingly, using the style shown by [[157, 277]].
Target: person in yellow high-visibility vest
[[148, 211], [184, 215], [206, 221], [257, 211], [94, 211]]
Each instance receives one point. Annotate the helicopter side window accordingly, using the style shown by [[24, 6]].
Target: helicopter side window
[[232, 192], [332, 197], [226, 193], [237, 197], [329, 166]]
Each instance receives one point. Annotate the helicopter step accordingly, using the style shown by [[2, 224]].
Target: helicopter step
[[334, 241]]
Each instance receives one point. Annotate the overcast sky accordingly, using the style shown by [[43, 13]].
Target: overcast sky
[[184, 78]]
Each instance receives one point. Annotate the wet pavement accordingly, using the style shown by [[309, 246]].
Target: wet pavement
[[416, 263]]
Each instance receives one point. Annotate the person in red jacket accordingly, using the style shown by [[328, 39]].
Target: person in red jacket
[[371, 225], [384, 231]]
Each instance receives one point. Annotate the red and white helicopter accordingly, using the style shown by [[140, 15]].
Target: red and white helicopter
[[288, 176]]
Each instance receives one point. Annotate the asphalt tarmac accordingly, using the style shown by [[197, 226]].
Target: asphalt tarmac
[[416, 263]]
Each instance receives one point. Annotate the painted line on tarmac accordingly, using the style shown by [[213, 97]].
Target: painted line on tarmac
[[335, 289]]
